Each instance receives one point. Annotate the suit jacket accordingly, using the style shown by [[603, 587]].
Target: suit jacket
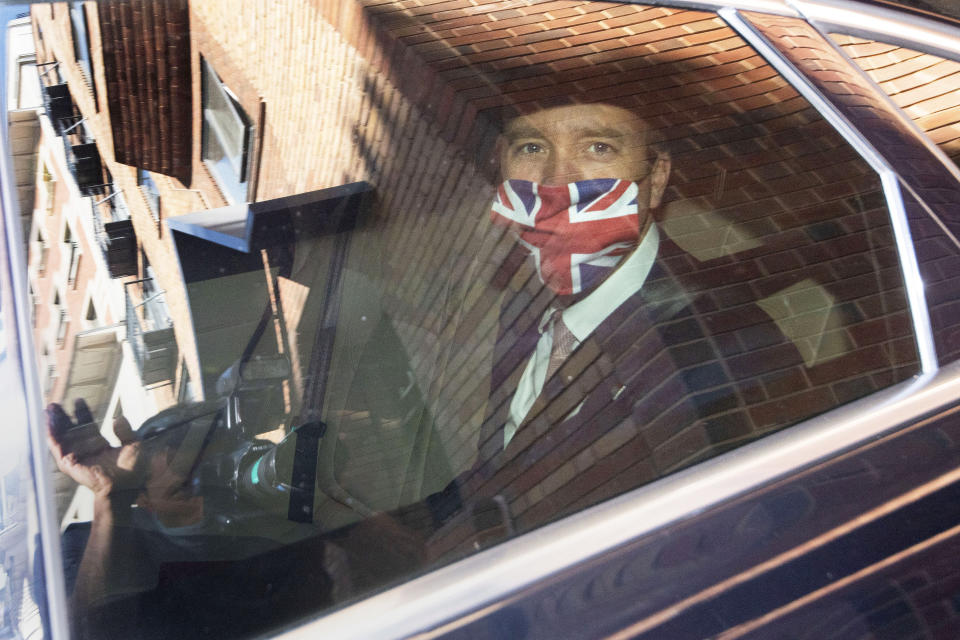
[[673, 376]]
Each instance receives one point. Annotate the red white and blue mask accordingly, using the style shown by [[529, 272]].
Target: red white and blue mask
[[577, 233]]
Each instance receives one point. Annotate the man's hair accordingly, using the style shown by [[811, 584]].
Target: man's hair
[[670, 96], [498, 119]]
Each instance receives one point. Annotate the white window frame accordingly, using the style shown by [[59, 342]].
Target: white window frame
[[73, 253], [237, 179]]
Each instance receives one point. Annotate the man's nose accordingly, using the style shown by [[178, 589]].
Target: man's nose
[[561, 168]]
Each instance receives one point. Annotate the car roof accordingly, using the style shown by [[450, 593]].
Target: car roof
[[930, 26], [939, 9]]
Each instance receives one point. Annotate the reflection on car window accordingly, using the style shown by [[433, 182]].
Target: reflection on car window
[[462, 303], [924, 86]]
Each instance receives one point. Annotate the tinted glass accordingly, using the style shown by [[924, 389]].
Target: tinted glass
[[499, 267], [925, 87]]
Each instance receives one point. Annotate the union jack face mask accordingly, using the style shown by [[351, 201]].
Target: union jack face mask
[[577, 233]]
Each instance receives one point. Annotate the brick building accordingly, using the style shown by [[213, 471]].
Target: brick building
[[203, 132]]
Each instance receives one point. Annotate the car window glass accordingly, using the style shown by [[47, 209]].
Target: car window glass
[[924, 86], [496, 268]]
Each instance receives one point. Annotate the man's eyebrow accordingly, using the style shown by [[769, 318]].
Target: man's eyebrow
[[602, 132], [527, 131], [522, 131]]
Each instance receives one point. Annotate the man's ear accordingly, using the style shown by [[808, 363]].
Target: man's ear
[[659, 178]]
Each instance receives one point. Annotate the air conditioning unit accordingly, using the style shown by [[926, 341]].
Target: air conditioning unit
[[59, 104], [87, 168], [121, 251]]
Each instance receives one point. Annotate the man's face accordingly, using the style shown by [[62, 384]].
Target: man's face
[[581, 142]]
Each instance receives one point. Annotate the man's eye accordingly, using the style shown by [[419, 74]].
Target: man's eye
[[528, 148], [600, 148]]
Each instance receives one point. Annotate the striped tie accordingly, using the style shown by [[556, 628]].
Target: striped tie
[[564, 343]]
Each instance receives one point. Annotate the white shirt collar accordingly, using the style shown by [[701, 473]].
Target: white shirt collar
[[586, 315], [582, 319]]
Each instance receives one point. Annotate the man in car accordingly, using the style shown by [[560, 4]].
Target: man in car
[[610, 367], [581, 183]]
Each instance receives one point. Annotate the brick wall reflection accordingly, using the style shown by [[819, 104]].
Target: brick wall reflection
[[931, 191]]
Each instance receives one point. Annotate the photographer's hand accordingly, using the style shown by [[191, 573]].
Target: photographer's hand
[[113, 564], [83, 454]]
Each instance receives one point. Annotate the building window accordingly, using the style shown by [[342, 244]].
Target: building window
[[41, 250], [49, 188], [51, 378], [73, 255], [91, 317], [186, 391], [61, 318], [226, 136], [150, 191], [81, 42], [74, 264], [63, 325], [49, 369], [27, 92]]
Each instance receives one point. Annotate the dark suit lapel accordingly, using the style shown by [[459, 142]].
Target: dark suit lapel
[[659, 300], [517, 338], [591, 392]]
